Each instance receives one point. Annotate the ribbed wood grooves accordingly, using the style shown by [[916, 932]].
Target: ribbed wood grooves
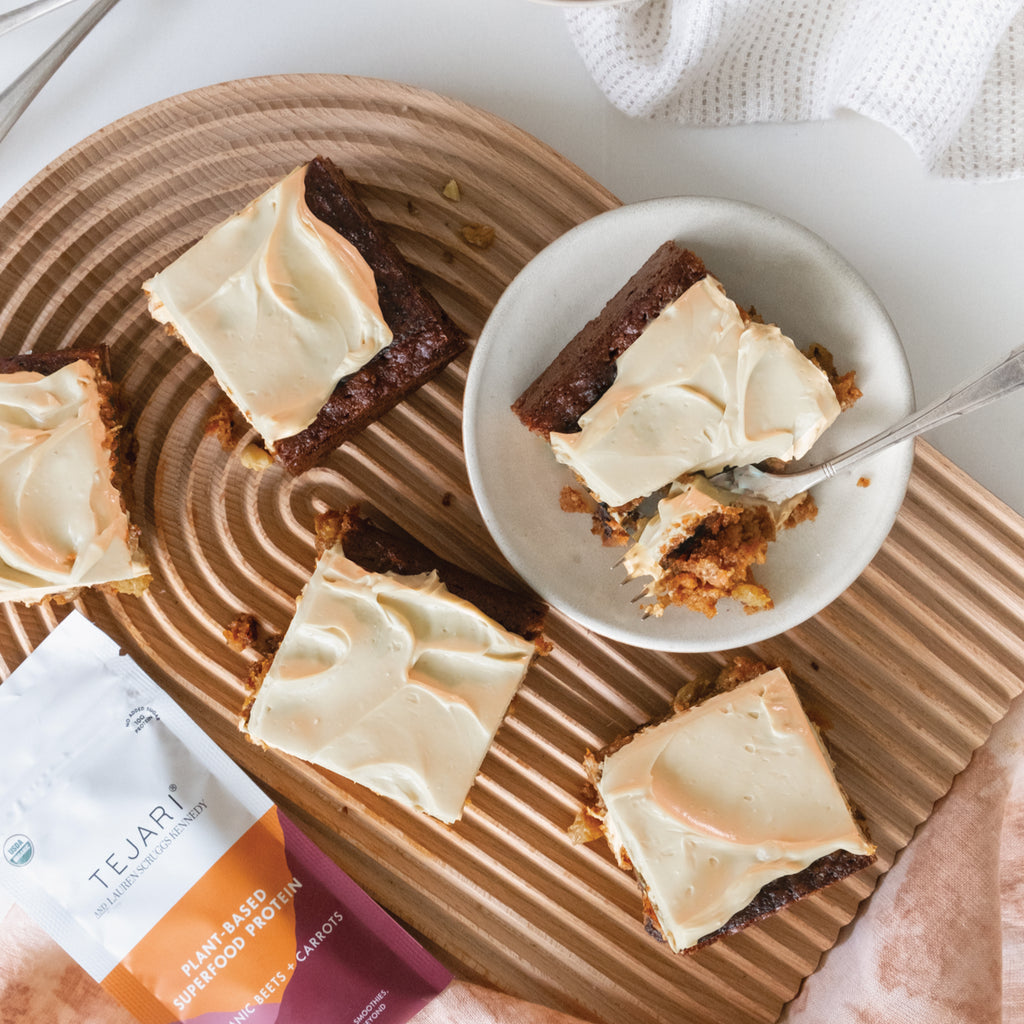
[[907, 671]]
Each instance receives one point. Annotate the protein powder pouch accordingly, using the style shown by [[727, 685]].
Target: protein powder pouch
[[178, 885]]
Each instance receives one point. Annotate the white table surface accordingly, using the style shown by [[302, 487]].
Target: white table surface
[[946, 258]]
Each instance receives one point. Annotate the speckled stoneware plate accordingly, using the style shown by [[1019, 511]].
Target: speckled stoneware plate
[[792, 278]]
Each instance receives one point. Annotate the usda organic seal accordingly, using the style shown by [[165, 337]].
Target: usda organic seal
[[18, 850]]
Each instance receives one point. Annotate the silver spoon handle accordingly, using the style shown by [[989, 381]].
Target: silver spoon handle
[[999, 380], [20, 93]]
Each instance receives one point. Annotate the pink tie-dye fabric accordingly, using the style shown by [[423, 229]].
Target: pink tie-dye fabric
[[942, 939]]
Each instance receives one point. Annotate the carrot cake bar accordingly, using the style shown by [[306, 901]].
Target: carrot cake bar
[[390, 678], [726, 810], [670, 380], [311, 320], [64, 523]]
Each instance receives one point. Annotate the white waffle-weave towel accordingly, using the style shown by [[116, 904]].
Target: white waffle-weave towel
[[947, 75]]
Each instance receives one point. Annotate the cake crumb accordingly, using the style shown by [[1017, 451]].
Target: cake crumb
[[452, 191], [585, 828], [480, 235], [255, 457], [754, 598], [864, 481], [844, 385], [847, 392], [612, 533], [242, 633], [221, 424], [805, 512], [447, 499], [572, 500]]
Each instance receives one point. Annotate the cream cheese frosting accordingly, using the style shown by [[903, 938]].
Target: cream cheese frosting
[[62, 523], [278, 304], [390, 681], [719, 800], [699, 389]]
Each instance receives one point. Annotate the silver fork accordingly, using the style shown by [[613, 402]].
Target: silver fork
[[11, 20], [22, 91], [999, 380]]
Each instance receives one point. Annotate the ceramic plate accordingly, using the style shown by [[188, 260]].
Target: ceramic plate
[[792, 278]]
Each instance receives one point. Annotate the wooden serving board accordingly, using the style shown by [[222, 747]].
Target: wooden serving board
[[911, 667]]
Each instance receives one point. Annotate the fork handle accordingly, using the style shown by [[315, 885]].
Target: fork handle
[[999, 380], [20, 93], [10, 20]]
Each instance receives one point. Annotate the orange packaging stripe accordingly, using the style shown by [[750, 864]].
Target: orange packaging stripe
[[229, 943]]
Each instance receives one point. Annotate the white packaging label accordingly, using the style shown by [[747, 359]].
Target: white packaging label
[[63, 835]]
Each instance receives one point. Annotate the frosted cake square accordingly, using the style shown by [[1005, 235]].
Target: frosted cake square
[[311, 320], [64, 520], [670, 383], [392, 674], [725, 810]]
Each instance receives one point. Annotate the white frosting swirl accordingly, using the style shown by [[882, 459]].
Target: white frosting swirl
[[392, 682], [278, 304], [62, 524], [717, 801], [699, 389]]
